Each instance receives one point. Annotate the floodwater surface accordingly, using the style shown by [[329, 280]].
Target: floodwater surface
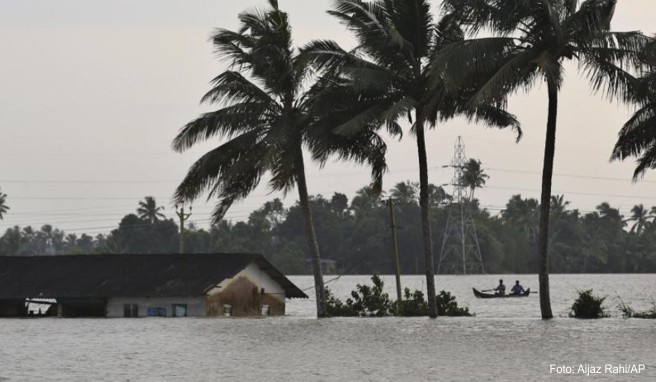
[[505, 341]]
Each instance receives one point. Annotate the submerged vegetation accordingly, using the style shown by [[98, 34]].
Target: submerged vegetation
[[587, 305], [628, 312], [371, 301]]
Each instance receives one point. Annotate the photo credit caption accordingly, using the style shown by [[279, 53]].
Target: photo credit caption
[[589, 369]]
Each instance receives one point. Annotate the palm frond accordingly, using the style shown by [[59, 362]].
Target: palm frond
[[609, 79], [457, 62], [226, 122], [363, 147], [377, 36], [636, 133], [229, 172], [592, 19], [230, 86]]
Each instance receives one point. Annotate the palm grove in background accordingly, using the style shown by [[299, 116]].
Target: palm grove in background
[[355, 233]]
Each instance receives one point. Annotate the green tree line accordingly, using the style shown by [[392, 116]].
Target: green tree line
[[356, 235]]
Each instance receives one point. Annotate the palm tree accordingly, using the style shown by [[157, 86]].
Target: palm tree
[[405, 192], [535, 38], [473, 176], [267, 119], [3, 205], [149, 210], [640, 216], [386, 79]]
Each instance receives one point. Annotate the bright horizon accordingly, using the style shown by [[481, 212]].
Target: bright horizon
[[93, 93]]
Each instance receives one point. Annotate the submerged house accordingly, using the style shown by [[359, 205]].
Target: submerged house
[[144, 285]]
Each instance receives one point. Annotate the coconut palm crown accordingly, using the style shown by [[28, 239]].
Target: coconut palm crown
[[264, 121], [533, 38], [149, 210], [3, 206], [385, 80]]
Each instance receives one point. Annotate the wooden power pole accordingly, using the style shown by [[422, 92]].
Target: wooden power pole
[[395, 243], [183, 218]]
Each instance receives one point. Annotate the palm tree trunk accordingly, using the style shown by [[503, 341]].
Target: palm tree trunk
[[425, 222], [545, 202], [315, 258]]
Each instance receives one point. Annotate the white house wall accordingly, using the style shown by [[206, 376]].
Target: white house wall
[[195, 305]]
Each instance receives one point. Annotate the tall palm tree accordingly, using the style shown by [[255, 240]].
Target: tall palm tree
[[149, 210], [386, 79], [534, 39], [266, 116], [3, 206], [473, 176]]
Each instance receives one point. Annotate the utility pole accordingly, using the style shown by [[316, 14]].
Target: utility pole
[[183, 218], [390, 203]]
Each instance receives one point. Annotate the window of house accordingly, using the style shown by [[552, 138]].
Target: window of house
[[130, 310], [179, 310], [156, 312]]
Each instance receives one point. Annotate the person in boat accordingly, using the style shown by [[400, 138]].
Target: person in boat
[[517, 288], [500, 289]]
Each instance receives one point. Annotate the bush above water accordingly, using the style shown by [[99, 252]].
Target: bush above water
[[371, 301], [628, 312], [589, 306]]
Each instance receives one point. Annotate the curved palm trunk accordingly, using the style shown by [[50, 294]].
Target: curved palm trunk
[[425, 222], [545, 202], [322, 310]]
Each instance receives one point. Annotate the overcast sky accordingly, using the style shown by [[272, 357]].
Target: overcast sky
[[93, 91]]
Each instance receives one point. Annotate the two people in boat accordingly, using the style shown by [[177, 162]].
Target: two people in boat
[[516, 289]]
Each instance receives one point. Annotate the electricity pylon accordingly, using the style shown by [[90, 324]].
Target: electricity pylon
[[460, 250]]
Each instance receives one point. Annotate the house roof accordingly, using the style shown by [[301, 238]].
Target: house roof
[[72, 276]]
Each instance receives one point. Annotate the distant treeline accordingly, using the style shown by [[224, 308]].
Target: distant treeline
[[356, 235]]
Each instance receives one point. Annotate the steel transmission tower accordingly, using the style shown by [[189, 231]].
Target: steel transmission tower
[[460, 250]]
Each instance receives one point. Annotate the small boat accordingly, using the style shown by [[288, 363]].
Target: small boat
[[479, 294]]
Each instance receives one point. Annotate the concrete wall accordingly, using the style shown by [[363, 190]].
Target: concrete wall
[[195, 305]]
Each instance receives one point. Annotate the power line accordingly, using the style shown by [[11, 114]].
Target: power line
[[578, 176]]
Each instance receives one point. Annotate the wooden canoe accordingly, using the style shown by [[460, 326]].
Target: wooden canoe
[[479, 294]]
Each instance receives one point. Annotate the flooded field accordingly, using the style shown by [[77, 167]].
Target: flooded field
[[505, 341]]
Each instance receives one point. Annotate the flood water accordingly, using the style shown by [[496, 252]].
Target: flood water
[[506, 341]]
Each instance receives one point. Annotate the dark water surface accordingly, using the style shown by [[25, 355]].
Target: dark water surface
[[506, 341]]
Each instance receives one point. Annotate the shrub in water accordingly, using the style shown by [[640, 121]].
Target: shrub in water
[[365, 301], [370, 301], [588, 306], [628, 312], [413, 304], [336, 308], [447, 306]]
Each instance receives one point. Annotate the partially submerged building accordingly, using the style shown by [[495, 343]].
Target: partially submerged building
[[144, 285]]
